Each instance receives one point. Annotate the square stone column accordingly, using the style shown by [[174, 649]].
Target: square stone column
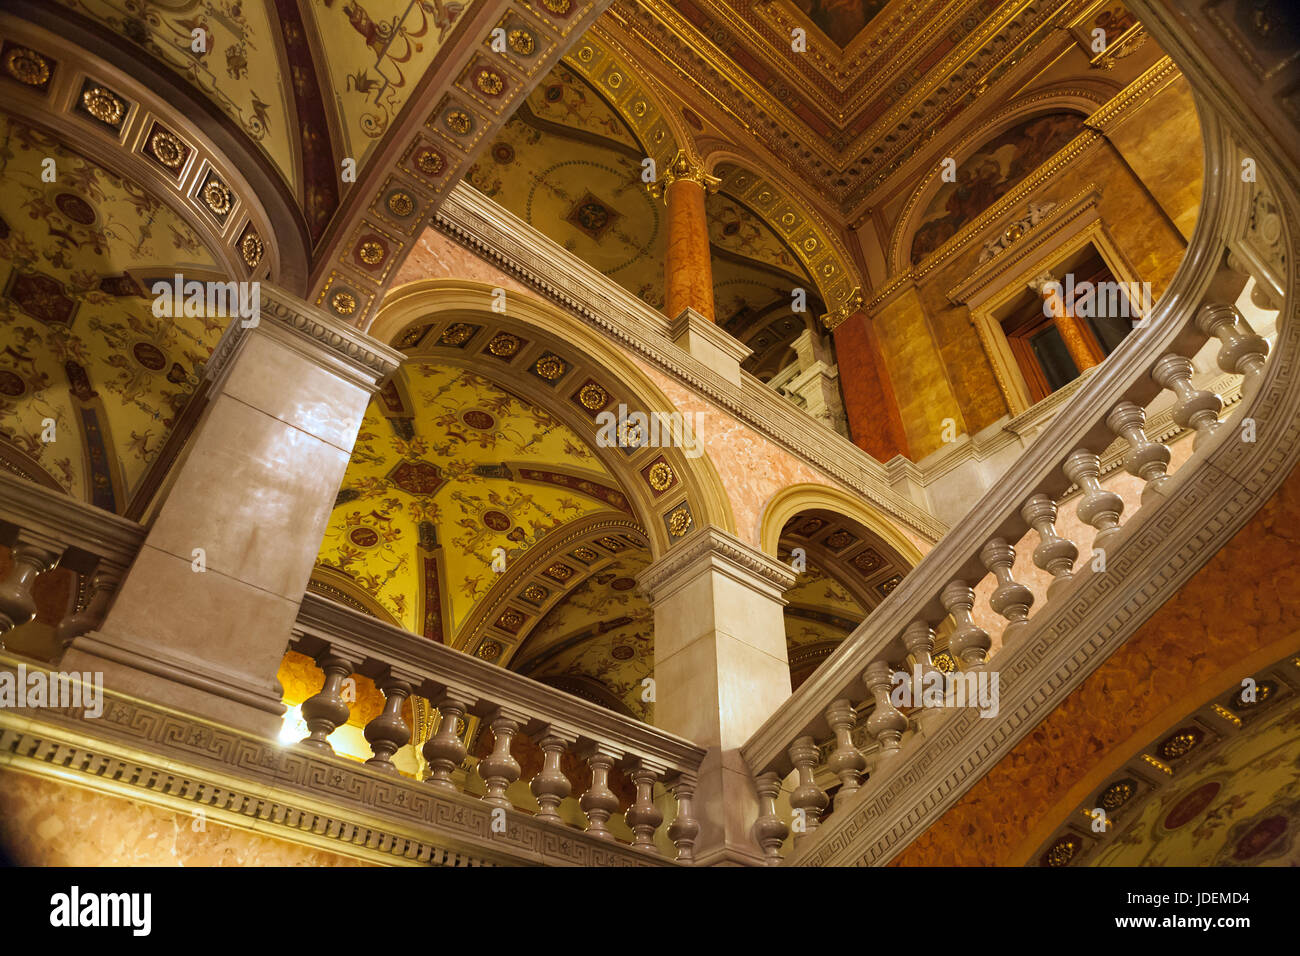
[[721, 669], [252, 491]]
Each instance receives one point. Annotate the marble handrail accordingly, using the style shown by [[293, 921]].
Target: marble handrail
[[345, 641], [1082, 605]]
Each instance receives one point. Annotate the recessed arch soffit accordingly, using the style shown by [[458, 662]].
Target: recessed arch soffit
[[848, 118], [1016, 161], [82, 345], [847, 572], [128, 128]]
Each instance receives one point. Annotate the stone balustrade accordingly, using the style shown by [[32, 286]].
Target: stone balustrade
[[904, 752], [507, 705], [45, 529]]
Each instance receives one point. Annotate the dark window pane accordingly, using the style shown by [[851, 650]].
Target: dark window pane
[[1049, 348], [1111, 329]]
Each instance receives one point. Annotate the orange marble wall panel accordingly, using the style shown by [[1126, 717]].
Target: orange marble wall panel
[[874, 420], [1246, 598], [916, 368], [688, 270], [47, 823]]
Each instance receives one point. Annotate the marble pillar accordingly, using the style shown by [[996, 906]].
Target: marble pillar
[[688, 272], [1069, 325], [203, 616], [874, 420], [721, 669]]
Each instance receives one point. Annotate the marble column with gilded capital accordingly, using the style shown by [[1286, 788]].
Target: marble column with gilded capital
[[688, 270], [203, 615], [721, 669], [1067, 323]]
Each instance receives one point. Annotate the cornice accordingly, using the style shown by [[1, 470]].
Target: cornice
[[480, 225], [1151, 82], [314, 333], [723, 549]]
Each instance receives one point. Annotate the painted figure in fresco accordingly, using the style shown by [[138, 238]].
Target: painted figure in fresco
[[841, 20]]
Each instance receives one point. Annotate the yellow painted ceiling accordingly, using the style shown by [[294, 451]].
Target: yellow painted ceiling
[[454, 464], [64, 247], [241, 70]]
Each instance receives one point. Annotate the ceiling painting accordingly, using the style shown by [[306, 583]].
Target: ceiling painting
[[1219, 788], [568, 165], [239, 67], [840, 20], [598, 642], [82, 348], [440, 481], [989, 173], [375, 52]]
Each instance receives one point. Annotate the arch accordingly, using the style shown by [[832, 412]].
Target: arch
[[261, 234], [408, 319], [599, 60], [813, 241], [1083, 102], [788, 502]]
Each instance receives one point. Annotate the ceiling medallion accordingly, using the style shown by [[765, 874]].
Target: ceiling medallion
[[1061, 852], [429, 162], [661, 476], [639, 109], [504, 345], [344, 303], [27, 66], [943, 661], [490, 83], [585, 554], [1117, 794], [458, 121], [510, 619], [680, 520], [217, 197], [535, 593], [522, 42], [370, 252], [585, 54], [488, 651], [558, 6], [593, 396], [1180, 744], [103, 105], [550, 367], [251, 248], [167, 149], [615, 80], [561, 572], [401, 204], [610, 543], [456, 334]]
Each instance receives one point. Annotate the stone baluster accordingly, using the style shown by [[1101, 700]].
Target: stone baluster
[[770, 830], [970, 643], [886, 722], [550, 786], [643, 817], [599, 803], [806, 796], [389, 733], [445, 750], [499, 769], [918, 638], [1196, 408], [32, 554], [685, 828], [1146, 459], [1054, 554], [103, 585], [846, 761], [1010, 599], [327, 710], [1099, 508], [1243, 352]]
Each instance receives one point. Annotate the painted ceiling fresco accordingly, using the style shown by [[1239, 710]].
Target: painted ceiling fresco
[[602, 636], [375, 53], [990, 173], [1240, 808], [239, 68], [81, 345], [840, 20], [567, 164], [439, 481]]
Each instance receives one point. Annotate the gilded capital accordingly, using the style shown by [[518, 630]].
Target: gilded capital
[[683, 168]]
